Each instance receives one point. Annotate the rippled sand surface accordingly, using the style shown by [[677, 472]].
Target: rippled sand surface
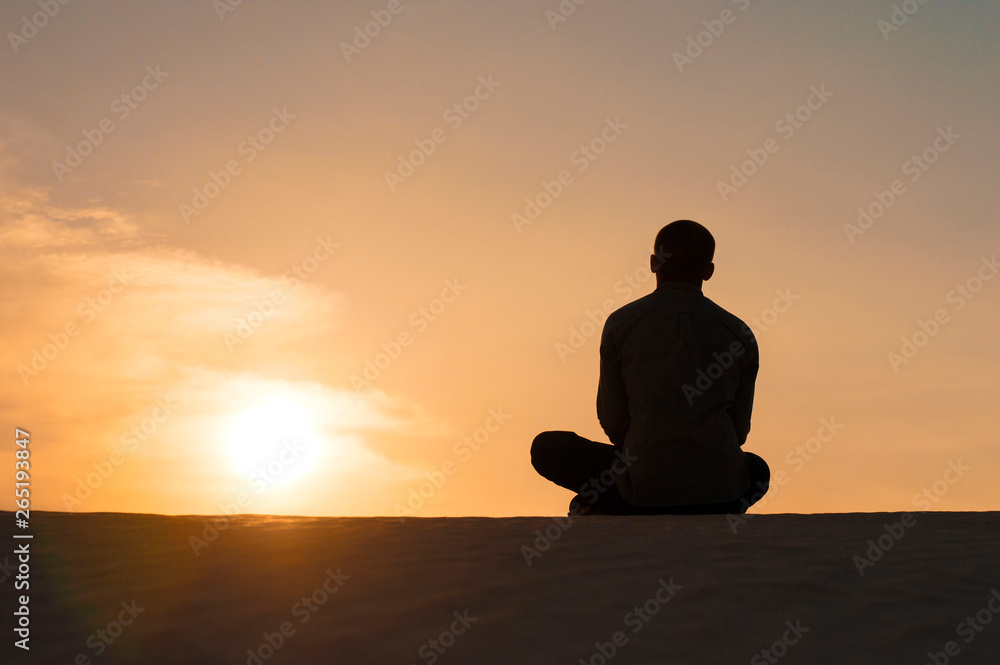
[[124, 588]]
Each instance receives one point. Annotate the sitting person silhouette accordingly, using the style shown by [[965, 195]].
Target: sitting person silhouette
[[676, 388]]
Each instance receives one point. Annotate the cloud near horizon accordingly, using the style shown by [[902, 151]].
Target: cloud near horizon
[[109, 329]]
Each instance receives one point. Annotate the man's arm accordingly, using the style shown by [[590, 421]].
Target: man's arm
[[612, 402], [743, 402]]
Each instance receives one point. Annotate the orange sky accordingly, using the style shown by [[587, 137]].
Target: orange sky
[[225, 232]]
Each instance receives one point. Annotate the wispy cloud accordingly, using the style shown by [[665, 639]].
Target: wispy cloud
[[104, 318]]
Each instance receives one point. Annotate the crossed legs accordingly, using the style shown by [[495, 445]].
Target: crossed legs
[[590, 469]]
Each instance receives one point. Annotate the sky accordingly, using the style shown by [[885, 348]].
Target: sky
[[350, 258]]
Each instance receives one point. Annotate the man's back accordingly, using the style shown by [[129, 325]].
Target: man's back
[[676, 389]]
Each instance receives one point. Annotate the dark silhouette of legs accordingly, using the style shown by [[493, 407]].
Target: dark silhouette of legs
[[591, 469], [582, 466]]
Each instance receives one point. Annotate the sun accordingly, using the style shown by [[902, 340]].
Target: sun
[[274, 443]]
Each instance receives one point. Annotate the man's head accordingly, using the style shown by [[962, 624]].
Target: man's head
[[683, 252]]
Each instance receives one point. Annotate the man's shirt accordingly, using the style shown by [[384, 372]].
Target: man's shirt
[[676, 391]]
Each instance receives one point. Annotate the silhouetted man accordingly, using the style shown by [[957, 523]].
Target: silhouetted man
[[675, 395]]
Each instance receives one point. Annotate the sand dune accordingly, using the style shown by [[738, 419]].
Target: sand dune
[[122, 588]]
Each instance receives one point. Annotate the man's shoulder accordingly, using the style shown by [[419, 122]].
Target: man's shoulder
[[691, 301], [677, 301], [629, 309], [719, 312], [624, 316], [735, 324]]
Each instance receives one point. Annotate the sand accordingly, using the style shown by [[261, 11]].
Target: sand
[[127, 588]]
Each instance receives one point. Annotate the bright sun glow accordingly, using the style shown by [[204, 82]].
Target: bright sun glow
[[274, 443]]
